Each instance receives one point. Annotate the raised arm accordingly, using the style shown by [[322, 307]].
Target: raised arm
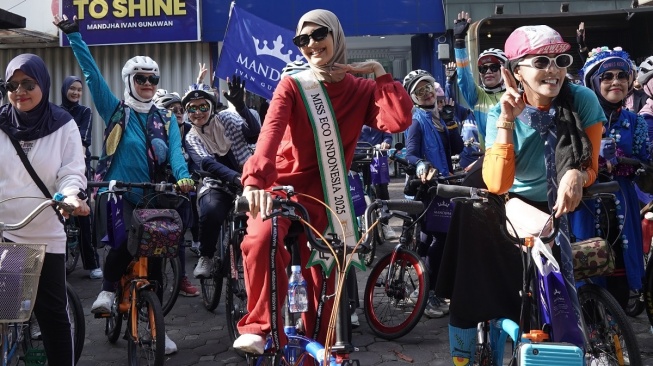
[[104, 100]]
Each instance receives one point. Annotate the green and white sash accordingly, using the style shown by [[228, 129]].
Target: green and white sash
[[333, 171]]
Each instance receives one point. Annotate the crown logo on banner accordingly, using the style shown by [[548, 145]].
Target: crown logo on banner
[[275, 51]]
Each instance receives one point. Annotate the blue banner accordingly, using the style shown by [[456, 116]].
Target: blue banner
[[106, 22], [256, 50]]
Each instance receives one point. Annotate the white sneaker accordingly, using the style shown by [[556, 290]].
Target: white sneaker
[[389, 232], [432, 312], [96, 274], [250, 343], [354, 320], [203, 267], [102, 304], [171, 347], [413, 297]]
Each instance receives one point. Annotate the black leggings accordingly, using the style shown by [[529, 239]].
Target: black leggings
[[214, 206], [51, 311], [431, 246], [118, 259]]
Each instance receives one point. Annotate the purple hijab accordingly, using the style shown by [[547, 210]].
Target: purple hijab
[[43, 119]]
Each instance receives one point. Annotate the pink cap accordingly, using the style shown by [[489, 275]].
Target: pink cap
[[534, 40]]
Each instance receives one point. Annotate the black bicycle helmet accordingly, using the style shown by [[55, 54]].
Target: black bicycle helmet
[[199, 91]]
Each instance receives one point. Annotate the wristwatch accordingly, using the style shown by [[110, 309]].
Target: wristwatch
[[508, 125], [82, 195]]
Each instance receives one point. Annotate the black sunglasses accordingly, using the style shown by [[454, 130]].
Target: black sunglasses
[[194, 108], [28, 85], [543, 62], [317, 35], [179, 110], [141, 79], [609, 76], [492, 67]]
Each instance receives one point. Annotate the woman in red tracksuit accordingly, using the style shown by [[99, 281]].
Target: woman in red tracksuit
[[286, 155]]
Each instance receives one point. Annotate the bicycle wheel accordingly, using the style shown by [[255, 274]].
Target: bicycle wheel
[[77, 321], [647, 291], [114, 321], [171, 268], [635, 304], [32, 338], [390, 311], [73, 242], [212, 287], [146, 343], [236, 296], [612, 340]]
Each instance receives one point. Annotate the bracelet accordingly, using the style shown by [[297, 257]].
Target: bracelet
[[508, 125]]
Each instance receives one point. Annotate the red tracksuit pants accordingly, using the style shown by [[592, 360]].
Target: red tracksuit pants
[[256, 251]]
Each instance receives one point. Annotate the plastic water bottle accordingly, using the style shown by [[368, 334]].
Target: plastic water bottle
[[297, 297]]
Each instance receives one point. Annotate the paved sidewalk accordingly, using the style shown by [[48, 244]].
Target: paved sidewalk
[[202, 337]]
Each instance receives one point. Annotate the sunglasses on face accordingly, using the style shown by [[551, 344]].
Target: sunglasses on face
[[609, 76], [27, 85], [492, 67], [319, 34], [194, 108], [177, 110], [543, 62], [141, 79], [428, 88]]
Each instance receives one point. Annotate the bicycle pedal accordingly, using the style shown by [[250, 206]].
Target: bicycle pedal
[[350, 363], [101, 315]]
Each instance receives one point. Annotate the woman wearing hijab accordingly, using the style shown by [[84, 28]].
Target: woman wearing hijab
[[71, 94], [609, 74], [48, 136], [139, 141], [349, 103], [217, 145]]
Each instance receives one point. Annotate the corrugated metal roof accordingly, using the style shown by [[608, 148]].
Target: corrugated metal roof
[[178, 63]]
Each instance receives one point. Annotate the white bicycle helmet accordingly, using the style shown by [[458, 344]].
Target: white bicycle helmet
[[163, 99], [293, 68], [138, 64], [492, 55], [414, 77], [645, 70]]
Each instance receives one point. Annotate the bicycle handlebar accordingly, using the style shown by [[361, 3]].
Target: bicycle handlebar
[[158, 187], [57, 202], [295, 211], [452, 192], [408, 206]]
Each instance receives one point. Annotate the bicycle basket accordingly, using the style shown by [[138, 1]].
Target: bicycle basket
[[20, 270], [154, 233]]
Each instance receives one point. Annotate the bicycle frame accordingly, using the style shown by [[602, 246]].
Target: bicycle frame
[[12, 335], [342, 346]]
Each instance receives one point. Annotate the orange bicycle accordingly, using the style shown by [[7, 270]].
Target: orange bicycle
[[136, 298]]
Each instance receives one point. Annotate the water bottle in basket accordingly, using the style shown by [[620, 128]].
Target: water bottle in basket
[[297, 296]]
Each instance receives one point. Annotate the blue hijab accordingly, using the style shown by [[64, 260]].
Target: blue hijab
[[43, 119], [74, 108]]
